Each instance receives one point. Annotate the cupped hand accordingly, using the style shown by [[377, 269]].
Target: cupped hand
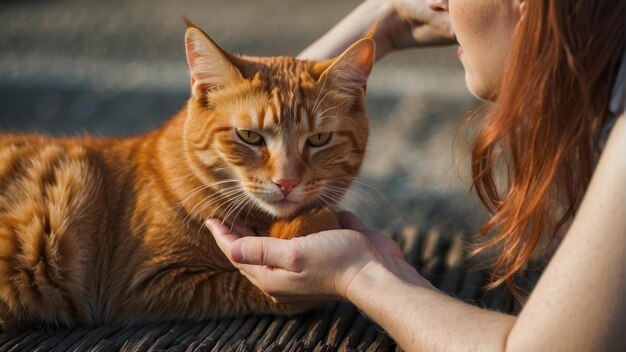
[[315, 267]]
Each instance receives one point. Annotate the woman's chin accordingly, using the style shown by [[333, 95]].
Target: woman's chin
[[482, 91]]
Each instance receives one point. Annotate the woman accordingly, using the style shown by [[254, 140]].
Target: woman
[[550, 68]]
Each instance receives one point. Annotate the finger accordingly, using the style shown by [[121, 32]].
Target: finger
[[270, 280], [440, 21], [429, 37], [250, 272], [223, 237], [261, 276], [268, 251], [350, 221]]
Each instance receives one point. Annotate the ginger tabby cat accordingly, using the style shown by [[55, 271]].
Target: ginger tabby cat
[[104, 231]]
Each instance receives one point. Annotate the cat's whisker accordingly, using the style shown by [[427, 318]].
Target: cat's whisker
[[235, 202], [336, 116], [254, 206], [207, 202], [378, 192], [367, 205], [332, 199], [357, 181], [318, 202], [219, 194], [355, 192], [243, 206], [327, 202], [208, 185], [181, 204], [349, 196], [339, 196], [216, 195], [329, 196], [197, 190], [321, 114], [319, 93], [223, 203], [321, 101]]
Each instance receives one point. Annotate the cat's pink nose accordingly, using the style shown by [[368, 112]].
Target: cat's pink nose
[[286, 186]]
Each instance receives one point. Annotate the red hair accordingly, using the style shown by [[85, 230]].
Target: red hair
[[544, 130]]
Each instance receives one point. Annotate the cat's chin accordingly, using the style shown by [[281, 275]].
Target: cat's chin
[[282, 209]]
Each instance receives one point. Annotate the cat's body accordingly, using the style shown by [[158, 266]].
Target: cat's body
[[101, 231]]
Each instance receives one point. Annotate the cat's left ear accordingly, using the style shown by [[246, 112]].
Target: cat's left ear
[[211, 67], [350, 70]]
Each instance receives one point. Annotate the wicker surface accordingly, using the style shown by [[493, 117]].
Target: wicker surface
[[337, 326]]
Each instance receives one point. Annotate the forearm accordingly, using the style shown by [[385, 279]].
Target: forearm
[[422, 318], [348, 30]]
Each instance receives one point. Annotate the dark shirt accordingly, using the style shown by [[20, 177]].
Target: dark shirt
[[617, 105]]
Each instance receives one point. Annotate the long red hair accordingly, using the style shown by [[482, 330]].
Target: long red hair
[[543, 131]]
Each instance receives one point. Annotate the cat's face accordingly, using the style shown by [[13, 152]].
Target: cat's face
[[282, 134]]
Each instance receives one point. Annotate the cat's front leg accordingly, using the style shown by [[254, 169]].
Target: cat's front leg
[[182, 292], [7, 318]]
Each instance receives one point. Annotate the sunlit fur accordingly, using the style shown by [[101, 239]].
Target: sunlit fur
[[102, 231]]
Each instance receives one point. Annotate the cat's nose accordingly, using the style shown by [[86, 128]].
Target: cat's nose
[[286, 186]]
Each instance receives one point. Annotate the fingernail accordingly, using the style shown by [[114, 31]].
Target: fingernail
[[237, 252]]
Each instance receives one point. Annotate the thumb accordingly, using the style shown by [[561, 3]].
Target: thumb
[[268, 251]]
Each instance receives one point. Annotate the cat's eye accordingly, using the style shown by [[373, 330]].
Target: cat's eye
[[250, 137], [319, 139]]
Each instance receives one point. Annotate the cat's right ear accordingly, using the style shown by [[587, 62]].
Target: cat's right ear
[[349, 71], [209, 64]]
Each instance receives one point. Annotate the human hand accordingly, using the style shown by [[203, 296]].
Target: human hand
[[427, 21], [315, 267], [399, 24]]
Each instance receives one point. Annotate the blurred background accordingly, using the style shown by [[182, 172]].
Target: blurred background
[[117, 68]]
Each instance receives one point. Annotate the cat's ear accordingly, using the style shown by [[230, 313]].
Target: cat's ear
[[349, 71], [211, 67]]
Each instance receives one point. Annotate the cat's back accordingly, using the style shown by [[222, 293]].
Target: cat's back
[[50, 194], [54, 181], [36, 169], [48, 186]]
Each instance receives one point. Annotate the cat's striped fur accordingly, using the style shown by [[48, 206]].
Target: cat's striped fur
[[100, 231]]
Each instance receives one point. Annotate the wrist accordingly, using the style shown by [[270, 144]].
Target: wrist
[[373, 274], [348, 30], [376, 274]]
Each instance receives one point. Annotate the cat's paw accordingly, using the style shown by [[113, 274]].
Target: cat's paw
[[312, 221], [8, 320]]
